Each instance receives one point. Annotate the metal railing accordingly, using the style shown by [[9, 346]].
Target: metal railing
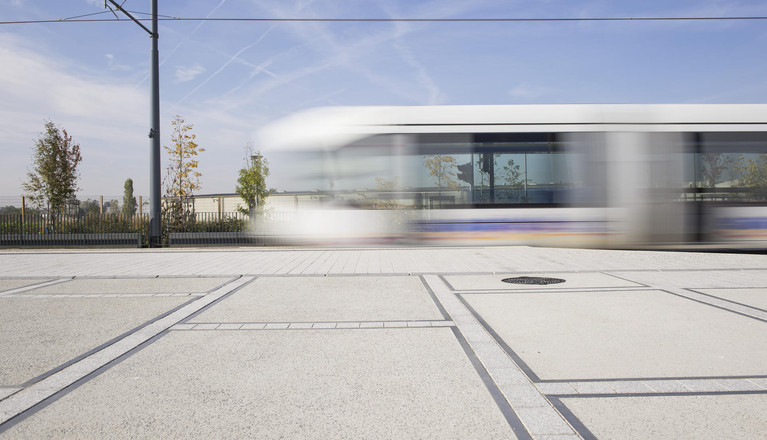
[[45, 229]]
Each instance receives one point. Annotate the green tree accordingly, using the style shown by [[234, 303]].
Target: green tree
[[90, 207], [513, 177], [753, 175], [52, 183], [387, 185], [112, 207], [714, 165], [129, 201], [443, 169], [251, 183], [182, 178], [10, 210]]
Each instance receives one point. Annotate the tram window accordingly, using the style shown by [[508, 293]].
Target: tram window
[[492, 169], [731, 166]]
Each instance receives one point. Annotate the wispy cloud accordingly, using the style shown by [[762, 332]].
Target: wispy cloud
[[106, 118], [526, 91], [188, 73], [353, 54], [116, 66], [228, 62], [183, 41]]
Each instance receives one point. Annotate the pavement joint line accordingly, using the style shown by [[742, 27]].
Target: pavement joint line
[[100, 295], [748, 312], [727, 300], [19, 403], [8, 391], [534, 410], [34, 286], [304, 325], [555, 290], [652, 387]]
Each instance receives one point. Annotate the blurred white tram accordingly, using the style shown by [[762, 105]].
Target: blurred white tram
[[621, 176]]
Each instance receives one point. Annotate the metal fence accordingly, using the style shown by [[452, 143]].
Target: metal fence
[[36, 229], [73, 230]]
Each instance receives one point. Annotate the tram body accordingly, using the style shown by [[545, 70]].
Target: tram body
[[606, 176]]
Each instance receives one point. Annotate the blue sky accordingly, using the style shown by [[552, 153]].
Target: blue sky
[[231, 78]]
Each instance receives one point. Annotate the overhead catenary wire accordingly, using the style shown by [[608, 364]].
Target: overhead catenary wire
[[363, 20]]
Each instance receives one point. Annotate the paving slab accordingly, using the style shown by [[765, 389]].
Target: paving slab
[[315, 299], [414, 383], [699, 279], [750, 297], [699, 417], [132, 285], [620, 334], [39, 334], [9, 284], [572, 281]]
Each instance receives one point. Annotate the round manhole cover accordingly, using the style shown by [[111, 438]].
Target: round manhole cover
[[533, 280]]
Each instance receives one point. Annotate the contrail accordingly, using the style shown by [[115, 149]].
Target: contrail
[[183, 41], [226, 64]]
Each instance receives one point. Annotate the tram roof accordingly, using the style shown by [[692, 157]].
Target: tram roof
[[332, 127]]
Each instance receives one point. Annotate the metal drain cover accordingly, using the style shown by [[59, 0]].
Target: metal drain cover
[[533, 280]]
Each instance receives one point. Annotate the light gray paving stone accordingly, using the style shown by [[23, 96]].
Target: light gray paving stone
[[45, 388], [750, 297], [313, 385], [699, 417], [666, 386], [324, 325], [326, 299], [227, 326], [537, 419], [509, 375], [523, 396], [760, 381], [703, 385], [348, 325], [442, 324], [558, 388], [133, 285], [419, 324], [300, 325], [493, 358], [572, 281], [630, 387], [253, 326], [395, 324], [7, 391], [371, 324], [593, 387], [543, 421], [557, 437], [11, 287], [206, 326], [652, 333], [39, 334], [738, 384], [183, 326], [277, 326]]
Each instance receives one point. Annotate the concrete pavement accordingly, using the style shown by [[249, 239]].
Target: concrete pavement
[[382, 343]]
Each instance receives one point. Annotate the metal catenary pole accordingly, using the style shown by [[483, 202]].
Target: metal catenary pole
[[155, 211]]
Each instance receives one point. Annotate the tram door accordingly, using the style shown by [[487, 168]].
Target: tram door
[[645, 186]]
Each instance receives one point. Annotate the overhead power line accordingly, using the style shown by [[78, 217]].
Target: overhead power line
[[364, 20]]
